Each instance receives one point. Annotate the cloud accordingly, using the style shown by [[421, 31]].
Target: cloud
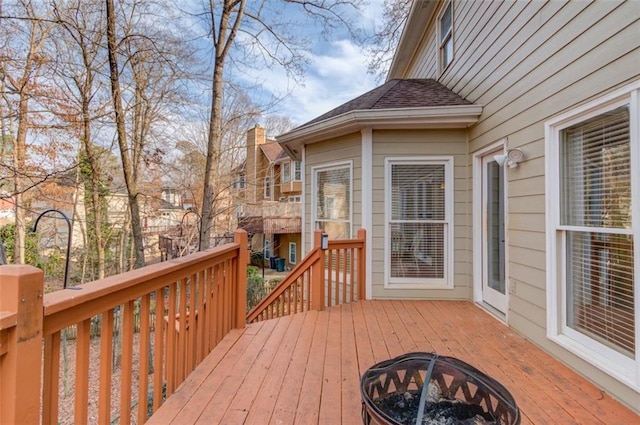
[[332, 78]]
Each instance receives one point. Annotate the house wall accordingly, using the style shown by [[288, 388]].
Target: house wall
[[527, 62], [283, 248], [416, 143], [345, 148]]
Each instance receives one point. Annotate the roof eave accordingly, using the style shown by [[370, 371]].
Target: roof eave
[[458, 116], [414, 29]]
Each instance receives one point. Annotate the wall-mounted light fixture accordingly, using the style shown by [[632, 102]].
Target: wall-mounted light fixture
[[511, 158], [324, 241]]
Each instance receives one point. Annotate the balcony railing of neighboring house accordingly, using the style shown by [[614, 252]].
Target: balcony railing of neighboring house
[[199, 299], [273, 209], [323, 278]]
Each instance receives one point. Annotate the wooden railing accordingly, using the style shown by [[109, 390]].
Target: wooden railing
[[119, 375], [325, 277]]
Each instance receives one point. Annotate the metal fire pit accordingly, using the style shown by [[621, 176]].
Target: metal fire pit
[[393, 392]]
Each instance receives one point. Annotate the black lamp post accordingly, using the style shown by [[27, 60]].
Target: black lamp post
[[66, 264]]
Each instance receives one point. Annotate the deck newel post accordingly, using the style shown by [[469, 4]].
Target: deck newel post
[[318, 274], [362, 265], [240, 237], [21, 292]]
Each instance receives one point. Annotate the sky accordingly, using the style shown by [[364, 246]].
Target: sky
[[336, 74]]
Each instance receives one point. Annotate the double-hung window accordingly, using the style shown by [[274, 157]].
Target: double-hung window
[[297, 171], [285, 174], [593, 233], [419, 221], [267, 188], [293, 249], [332, 200], [445, 36]]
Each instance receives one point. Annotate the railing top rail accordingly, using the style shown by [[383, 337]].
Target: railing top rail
[[69, 306], [8, 319]]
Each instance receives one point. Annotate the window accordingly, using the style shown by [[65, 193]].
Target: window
[[446, 36], [593, 273], [419, 222], [285, 174], [240, 183], [266, 248], [332, 200], [297, 171], [295, 199], [267, 188], [292, 252]]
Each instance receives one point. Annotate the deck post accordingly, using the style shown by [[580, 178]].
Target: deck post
[[240, 237], [21, 292], [318, 274], [362, 265]]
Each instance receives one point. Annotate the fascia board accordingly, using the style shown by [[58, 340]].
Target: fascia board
[[460, 116]]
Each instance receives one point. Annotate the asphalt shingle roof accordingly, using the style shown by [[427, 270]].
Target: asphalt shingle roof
[[397, 94], [273, 151]]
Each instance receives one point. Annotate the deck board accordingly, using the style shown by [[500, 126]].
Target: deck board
[[305, 368]]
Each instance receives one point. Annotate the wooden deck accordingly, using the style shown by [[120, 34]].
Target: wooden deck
[[306, 368]]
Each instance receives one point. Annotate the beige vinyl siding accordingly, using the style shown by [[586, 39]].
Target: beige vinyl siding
[[345, 148], [416, 143], [529, 62]]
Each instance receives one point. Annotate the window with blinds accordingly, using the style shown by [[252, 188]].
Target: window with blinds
[[417, 221], [595, 216], [332, 188]]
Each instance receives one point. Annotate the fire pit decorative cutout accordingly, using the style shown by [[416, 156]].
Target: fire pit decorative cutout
[[393, 392]]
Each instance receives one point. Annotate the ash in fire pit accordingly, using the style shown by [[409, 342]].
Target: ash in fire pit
[[403, 408], [456, 393]]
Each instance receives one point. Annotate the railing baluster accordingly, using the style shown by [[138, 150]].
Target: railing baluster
[[143, 363], [51, 383], [106, 355], [182, 332], [127, 363], [81, 387], [352, 275], [191, 318], [200, 319], [158, 348], [171, 339]]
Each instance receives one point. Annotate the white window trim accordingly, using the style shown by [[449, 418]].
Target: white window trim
[[442, 66], [447, 282], [295, 253], [622, 368], [314, 191]]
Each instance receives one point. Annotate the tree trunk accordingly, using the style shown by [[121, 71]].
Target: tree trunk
[[131, 184]]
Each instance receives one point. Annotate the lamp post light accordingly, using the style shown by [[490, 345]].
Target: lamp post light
[[66, 264]]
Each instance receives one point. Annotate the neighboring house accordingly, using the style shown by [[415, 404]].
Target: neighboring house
[[500, 163], [7, 210], [268, 198]]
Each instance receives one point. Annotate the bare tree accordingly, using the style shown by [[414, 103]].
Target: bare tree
[[154, 64], [382, 44], [269, 39], [22, 63], [80, 41]]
